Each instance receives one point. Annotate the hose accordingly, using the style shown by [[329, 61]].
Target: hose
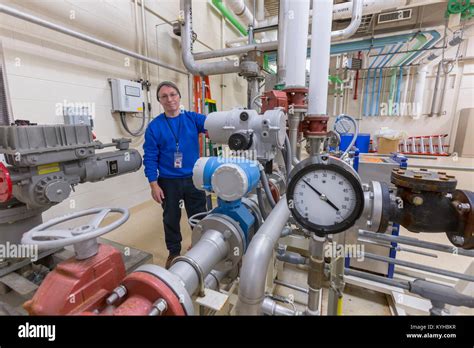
[[266, 187], [289, 156], [194, 220], [138, 132], [254, 101], [260, 203], [356, 132]]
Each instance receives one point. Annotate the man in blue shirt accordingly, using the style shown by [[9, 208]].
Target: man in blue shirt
[[170, 151]]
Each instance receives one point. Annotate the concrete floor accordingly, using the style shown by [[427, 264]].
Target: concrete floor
[[144, 231]]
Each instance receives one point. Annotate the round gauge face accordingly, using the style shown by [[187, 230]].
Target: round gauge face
[[325, 198]]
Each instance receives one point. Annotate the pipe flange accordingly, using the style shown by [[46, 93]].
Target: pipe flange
[[196, 267], [174, 284], [232, 233], [423, 180], [6, 186], [372, 207], [297, 96], [465, 238]]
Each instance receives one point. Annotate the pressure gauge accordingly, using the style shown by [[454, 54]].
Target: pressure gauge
[[325, 195]]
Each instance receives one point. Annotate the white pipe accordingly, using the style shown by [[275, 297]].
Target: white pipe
[[420, 89], [260, 10], [321, 39], [282, 37], [203, 69], [356, 10], [27, 17], [297, 18], [340, 11], [241, 11], [256, 260], [344, 10], [139, 42], [334, 106], [407, 83], [232, 51]]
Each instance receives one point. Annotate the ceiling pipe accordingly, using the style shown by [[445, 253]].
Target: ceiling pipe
[[343, 10], [260, 10], [36, 20], [226, 14], [282, 38], [297, 18], [321, 38], [241, 10], [232, 51], [203, 69], [356, 7]]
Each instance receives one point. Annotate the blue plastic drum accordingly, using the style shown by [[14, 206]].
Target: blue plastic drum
[[362, 141]]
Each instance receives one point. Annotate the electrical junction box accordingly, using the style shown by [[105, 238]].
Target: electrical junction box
[[127, 96]]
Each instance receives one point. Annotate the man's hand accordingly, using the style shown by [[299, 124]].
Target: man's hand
[[156, 192]]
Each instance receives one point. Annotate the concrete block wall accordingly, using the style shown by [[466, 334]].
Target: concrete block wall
[[46, 69]]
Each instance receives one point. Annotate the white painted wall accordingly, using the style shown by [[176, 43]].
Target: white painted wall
[[45, 68]]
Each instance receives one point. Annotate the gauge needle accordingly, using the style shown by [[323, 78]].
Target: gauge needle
[[322, 195]]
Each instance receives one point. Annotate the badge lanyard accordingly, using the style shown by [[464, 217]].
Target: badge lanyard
[[178, 156]]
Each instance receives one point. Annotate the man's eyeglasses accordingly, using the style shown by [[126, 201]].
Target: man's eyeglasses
[[171, 96]]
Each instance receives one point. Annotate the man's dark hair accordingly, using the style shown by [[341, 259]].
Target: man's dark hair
[[168, 84]]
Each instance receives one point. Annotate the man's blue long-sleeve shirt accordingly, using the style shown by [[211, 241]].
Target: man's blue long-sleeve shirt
[[160, 145]]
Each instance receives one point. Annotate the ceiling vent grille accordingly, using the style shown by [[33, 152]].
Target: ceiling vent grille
[[394, 16]]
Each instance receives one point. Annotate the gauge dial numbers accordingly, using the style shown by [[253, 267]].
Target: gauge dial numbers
[[325, 198]]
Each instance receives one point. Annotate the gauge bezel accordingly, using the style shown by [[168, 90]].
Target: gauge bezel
[[329, 164]]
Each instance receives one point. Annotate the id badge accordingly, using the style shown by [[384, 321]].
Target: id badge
[[178, 160]]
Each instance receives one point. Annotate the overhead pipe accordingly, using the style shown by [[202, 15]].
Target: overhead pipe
[[406, 85], [356, 7], [203, 69], [260, 10], [318, 81], [374, 43], [398, 91], [228, 15], [297, 43], [145, 39], [374, 80], [282, 38], [422, 71], [241, 10], [366, 87], [421, 42], [343, 10], [36, 20], [384, 62], [257, 258], [139, 42], [232, 51]]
